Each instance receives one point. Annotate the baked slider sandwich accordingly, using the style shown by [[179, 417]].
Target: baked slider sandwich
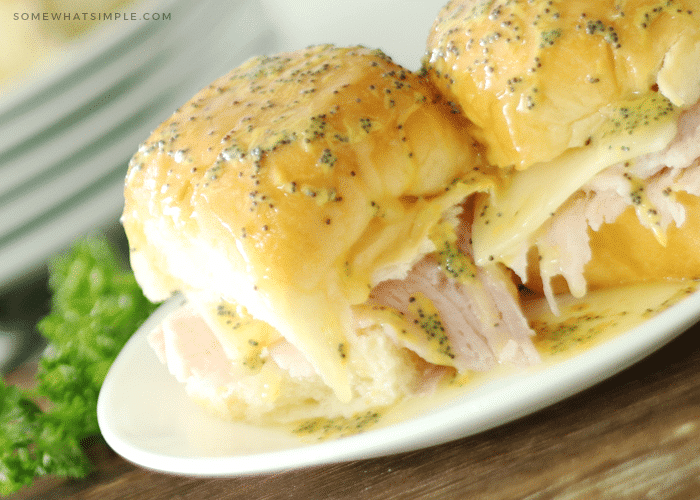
[[314, 207], [590, 111]]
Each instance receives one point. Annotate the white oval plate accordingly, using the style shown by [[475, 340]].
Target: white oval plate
[[146, 417]]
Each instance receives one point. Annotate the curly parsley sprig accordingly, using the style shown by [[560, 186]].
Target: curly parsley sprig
[[96, 307]]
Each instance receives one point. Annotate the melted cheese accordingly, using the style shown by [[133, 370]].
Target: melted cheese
[[507, 220], [678, 78]]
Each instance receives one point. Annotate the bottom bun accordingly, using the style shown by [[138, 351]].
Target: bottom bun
[[627, 252]]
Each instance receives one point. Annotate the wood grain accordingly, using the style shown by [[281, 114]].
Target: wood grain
[[634, 436]]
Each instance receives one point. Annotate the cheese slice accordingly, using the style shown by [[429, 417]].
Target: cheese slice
[[506, 221], [679, 78]]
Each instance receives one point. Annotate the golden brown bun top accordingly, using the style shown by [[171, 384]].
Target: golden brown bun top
[[294, 155], [534, 75]]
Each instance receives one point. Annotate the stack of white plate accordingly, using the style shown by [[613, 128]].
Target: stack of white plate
[[66, 136]]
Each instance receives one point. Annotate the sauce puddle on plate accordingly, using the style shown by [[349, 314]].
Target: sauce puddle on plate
[[580, 325], [600, 315]]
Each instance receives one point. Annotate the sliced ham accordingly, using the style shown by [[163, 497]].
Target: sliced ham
[[482, 318], [474, 323], [563, 242]]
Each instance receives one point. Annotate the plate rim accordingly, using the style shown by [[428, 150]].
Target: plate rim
[[439, 426]]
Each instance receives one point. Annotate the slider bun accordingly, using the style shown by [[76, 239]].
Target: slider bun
[[292, 185], [626, 252], [287, 159], [539, 77]]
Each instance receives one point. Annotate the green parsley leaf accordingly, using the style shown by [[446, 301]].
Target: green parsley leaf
[[96, 307]]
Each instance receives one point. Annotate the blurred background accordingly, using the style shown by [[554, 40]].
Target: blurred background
[[83, 82]]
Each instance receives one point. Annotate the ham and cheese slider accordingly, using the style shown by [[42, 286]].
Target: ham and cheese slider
[[310, 206], [590, 109]]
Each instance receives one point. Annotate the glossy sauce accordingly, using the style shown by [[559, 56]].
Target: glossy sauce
[[582, 324], [600, 316]]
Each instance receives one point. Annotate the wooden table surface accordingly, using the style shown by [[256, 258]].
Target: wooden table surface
[[634, 436]]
